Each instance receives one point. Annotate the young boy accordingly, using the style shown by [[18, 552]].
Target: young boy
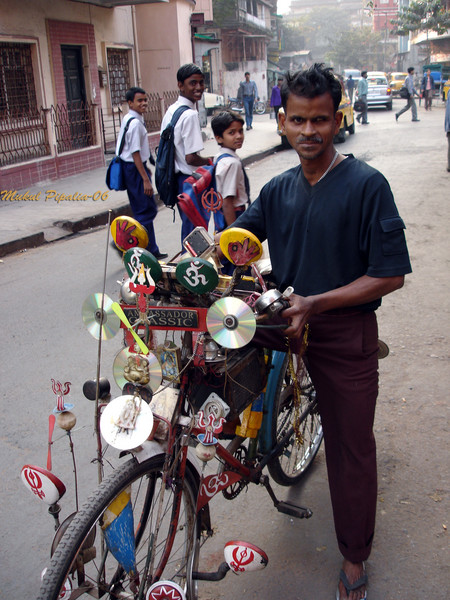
[[231, 179]]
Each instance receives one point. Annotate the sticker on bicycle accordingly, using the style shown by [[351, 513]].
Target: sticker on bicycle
[[43, 484], [240, 246], [197, 275], [188, 319], [143, 269], [213, 484], [243, 556], [165, 590], [128, 233]]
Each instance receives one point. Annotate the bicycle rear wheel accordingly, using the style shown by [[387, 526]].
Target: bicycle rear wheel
[[260, 107], [300, 450], [165, 532]]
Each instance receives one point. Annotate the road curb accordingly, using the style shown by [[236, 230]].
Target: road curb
[[29, 241], [73, 227]]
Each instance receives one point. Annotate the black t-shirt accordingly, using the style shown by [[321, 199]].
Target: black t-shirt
[[325, 236]]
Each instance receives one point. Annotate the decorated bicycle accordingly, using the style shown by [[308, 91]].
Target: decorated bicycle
[[202, 409]]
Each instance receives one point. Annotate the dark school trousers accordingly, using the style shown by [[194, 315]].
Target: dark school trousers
[[143, 207], [186, 225], [342, 361], [343, 365]]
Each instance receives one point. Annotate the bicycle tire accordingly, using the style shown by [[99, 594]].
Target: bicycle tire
[[103, 575], [296, 458]]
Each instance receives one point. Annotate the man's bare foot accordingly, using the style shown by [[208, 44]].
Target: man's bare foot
[[353, 573]]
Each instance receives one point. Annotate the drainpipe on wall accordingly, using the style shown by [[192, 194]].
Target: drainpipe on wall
[[136, 47]]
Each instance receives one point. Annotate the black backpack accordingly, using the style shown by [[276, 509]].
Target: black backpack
[[165, 176]]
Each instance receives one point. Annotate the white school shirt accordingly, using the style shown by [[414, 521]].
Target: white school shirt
[[135, 139], [230, 177], [187, 134]]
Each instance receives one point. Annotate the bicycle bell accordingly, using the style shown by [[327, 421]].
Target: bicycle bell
[[273, 301]]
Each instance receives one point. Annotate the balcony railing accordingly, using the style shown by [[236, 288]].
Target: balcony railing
[[23, 137]]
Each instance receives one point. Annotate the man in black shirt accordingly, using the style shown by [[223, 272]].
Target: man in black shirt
[[335, 235]]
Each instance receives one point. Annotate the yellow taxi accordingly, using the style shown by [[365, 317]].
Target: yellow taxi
[[445, 90], [347, 123], [396, 81]]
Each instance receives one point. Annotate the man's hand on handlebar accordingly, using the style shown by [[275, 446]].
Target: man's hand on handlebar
[[298, 313]]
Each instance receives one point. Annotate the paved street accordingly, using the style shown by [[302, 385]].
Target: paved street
[[44, 337]]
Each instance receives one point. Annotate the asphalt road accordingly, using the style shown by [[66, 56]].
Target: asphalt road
[[44, 338]]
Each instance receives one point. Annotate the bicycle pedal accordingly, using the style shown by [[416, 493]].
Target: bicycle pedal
[[294, 511]]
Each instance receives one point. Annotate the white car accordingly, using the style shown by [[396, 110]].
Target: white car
[[379, 93]]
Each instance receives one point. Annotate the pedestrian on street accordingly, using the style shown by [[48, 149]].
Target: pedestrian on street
[[341, 257], [137, 177], [350, 85], [275, 98], [447, 129], [427, 89], [249, 93], [411, 103], [188, 138], [363, 88]]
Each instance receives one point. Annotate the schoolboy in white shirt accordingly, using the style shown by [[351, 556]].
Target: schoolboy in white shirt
[[231, 179]]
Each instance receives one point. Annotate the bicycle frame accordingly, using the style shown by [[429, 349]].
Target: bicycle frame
[[217, 483]]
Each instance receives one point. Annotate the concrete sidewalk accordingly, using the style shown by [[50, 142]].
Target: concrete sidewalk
[[52, 210]]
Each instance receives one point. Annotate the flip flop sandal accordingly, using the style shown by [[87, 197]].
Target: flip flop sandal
[[350, 587]]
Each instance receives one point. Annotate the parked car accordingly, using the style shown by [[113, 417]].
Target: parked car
[[347, 123], [379, 93], [348, 118], [397, 81]]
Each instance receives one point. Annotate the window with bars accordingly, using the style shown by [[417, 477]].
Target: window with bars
[[119, 74], [17, 88]]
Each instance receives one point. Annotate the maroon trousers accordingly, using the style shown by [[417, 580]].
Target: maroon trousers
[[342, 361], [343, 365]]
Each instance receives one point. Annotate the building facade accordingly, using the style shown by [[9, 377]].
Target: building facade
[[246, 28], [65, 66]]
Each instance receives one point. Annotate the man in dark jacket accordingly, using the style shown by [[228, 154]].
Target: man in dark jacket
[[427, 88]]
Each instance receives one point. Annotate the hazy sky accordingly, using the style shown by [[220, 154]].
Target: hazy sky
[[283, 6]]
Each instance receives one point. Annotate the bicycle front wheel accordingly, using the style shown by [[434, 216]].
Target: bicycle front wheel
[[303, 444], [163, 534]]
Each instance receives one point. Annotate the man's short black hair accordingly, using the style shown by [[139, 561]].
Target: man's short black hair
[[363, 73], [223, 120], [246, 73], [187, 70], [131, 93], [313, 82], [410, 69]]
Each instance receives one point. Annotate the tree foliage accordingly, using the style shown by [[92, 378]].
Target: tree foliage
[[355, 48], [224, 10], [316, 31], [422, 15]]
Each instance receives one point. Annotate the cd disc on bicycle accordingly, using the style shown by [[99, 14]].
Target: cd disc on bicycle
[[139, 369], [100, 321], [231, 322]]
